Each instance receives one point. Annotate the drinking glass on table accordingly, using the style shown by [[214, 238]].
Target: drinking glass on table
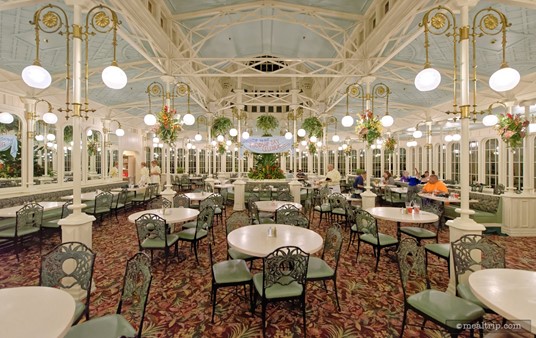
[[416, 208], [409, 207]]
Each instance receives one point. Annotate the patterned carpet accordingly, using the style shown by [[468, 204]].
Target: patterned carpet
[[179, 303]]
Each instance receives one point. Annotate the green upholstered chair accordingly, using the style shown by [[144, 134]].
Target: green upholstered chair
[[237, 220], [181, 201], [283, 278], [65, 211], [285, 196], [339, 208], [134, 296], [185, 183], [142, 199], [471, 253], [442, 308], [367, 232], [258, 217], [207, 202], [219, 206], [290, 215], [440, 250], [102, 206], [421, 233], [321, 203], [324, 268], [153, 235], [69, 265], [27, 223], [194, 235], [228, 273], [393, 199]]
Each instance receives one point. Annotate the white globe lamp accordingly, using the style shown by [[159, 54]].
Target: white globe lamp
[[220, 138], [490, 120], [428, 79], [301, 132], [387, 121], [198, 137], [335, 138], [456, 137], [149, 119], [6, 118], [448, 138], [417, 134], [114, 77], [50, 118], [51, 137], [120, 132], [233, 132], [347, 121], [156, 140], [39, 137], [36, 76], [288, 135], [188, 119], [89, 132], [504, 79], [313, 139], [245, 135]]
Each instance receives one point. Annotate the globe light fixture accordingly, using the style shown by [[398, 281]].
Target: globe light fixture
[[417, 134], [119, 132], [301, 132], [213, 142], [347, 121], [490, 120], [198, 137], [228, 142], [50, 118], [233, 132], [245, 135], [220, 138], [288, 135], [89, 132], [303, 143], [448, 138], [319, 144], [36, 76], [50, 144], [39, 137], [149, 119], [156, 140], [6, 118], [335, 138], [344, 146], [114, 77], [456, 137], [313, 139], [51, 137], [188, 145], [387, 120], [504, 79], [188, 119], [427, 79]]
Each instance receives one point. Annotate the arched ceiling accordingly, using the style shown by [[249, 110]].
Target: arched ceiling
[[269, 48]]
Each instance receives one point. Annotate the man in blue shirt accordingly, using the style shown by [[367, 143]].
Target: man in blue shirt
[[359, 182]]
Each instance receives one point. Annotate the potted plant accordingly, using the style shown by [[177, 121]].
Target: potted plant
[[313, 126], [266, 123], [221, 126]]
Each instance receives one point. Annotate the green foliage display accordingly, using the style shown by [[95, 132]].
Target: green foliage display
[[266, 167], [221, 126], [313, 126], [267, 123]]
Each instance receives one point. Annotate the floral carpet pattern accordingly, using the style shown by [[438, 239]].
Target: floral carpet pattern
[[179, 302]]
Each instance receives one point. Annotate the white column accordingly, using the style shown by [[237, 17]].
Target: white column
[[528, 159], [168, 193], [368, 197], [463, 225]]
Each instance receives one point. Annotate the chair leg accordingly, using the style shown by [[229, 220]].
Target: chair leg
[[304, 317], [377, 260], [214, 291], [358, 246], [404, 317], [263, 317], [195, 252], [336, 295]]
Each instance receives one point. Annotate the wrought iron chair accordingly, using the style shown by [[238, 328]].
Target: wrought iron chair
[[120, 202], [257, 216], [140, 200], [339, 207], [181, 201], [69, 265], [285, 210], [421, 233], [153, 235], [321, 203], [197, 233], [65, 211], [442, 308], [185, 183], [283, 278], [285, 196], [102, 206], [134, 296], [325, 267], [471, 253], [237, 220], [290, 215], [440, 250], [368, 233], [27, 223], [219, 206], [228, 273]]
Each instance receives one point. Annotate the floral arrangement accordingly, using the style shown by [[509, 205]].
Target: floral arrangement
[[512, 129], [221, 148], [92, 147], [266, 167], [168, 127], [390, 145], [348, 150], [369, 128]]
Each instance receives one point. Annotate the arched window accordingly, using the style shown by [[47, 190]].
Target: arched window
[[402, 164], [376, 163], [491, 165], [455, 161]]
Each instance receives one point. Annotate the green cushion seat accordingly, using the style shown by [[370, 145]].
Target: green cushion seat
[[52, 224], [318, 268], [418, 232], [464, 291], [231, 271], [110, 326], [326, 207], [79, 308], [7, 222], [10, 232], [384, 239], [445, 308], [294, 289], [157, 243], [441, 249], [189, 234], [338, 211]]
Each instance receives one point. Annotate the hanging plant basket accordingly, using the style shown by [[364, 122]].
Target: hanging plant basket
[[266, 123], [221, 126], [313, 126]]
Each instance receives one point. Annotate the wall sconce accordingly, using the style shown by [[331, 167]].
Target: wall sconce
[[491, 119], [156, 89], [53, 19], [488, 21], [119, 131], [49, 117]]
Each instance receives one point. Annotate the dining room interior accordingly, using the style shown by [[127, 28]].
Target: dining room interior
[[286, 168]]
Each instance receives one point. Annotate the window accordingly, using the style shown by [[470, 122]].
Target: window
[[473, 162], [361, 159], [418, 160], [376, 163], [191, 161], [341, 158], [518, 168], [402, 164], [491, 158], [455, 161]]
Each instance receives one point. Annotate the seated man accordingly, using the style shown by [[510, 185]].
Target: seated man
[[359, 182], [434, 185]]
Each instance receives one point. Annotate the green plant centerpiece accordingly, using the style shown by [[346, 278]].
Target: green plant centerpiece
[[313, 126], [168, 127], [267, 123], [266, 167], [221, 126], [368, 128]]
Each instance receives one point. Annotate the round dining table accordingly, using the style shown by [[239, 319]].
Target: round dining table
[[510, 293], [172, 215], [259, 240], [272, 206], [198, 196], [399, 215], [35, 311]]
